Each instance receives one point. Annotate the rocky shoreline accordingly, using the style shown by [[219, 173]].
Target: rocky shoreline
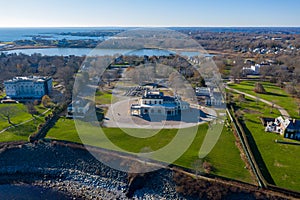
[[65, 170], [77, 174]]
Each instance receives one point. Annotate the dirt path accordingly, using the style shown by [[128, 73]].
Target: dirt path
[[282, 111], [29, 120]]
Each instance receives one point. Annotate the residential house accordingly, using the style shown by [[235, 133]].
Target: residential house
[[288, 128]]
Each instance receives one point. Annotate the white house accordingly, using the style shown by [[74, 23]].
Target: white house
[[289, 128], [211, 95], [78, 109], [32, 87], [253, 69], [154, 102]]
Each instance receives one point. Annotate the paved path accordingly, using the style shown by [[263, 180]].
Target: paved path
[[283, 112], [15, 125]]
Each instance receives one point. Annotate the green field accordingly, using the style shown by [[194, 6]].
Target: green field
[[103, 97], [20, 116], [274, 94], [281, 160], [225, 157], [21, 132]]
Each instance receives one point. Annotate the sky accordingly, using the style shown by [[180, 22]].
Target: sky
[[144, 13]]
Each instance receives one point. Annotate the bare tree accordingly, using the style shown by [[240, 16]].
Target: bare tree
[[236, 73], [7, 112], [241, 98], [31, 109]]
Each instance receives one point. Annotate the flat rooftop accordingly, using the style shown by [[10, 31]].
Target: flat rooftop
[[28, 78]]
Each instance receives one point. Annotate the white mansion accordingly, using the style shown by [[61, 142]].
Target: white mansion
[[32, 87], [155, 103]]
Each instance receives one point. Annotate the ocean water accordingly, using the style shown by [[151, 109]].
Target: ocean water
[[11, 34], [98, 52], [24, 191]]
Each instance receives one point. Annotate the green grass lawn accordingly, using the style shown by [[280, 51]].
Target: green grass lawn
[[281, 160], [274, 94], [19, 116], [103, 97], [225, 157], [40, 109], [22, 132], [19, 133], [55, 83]]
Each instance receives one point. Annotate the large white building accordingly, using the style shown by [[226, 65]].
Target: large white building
[[155, 103], [32, 87]]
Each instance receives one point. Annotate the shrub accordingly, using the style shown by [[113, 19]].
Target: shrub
[[46, 101], [207, 167], [259, 88]]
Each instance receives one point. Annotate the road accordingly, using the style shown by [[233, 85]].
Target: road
[[282, 111]]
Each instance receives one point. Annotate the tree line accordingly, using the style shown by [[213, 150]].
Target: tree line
[[61, 68]]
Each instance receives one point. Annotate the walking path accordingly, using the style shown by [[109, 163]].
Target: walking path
[[282, 111], [15, 125]]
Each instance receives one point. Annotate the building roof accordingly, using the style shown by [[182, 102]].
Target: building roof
[[165, 105], [153, 94], [293, 124], [167, 98], [27, 78]]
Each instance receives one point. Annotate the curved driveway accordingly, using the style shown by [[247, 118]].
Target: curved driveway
[[118, 115]]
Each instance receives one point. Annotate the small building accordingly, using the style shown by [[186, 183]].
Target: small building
[[252, 70], [288, 128], [202, 91], [209, 96], [154, 102], [78, 109], [32, 87]]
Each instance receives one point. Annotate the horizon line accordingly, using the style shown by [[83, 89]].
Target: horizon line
[[192, 26]]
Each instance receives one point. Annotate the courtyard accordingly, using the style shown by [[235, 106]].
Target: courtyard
[[118, 115]]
